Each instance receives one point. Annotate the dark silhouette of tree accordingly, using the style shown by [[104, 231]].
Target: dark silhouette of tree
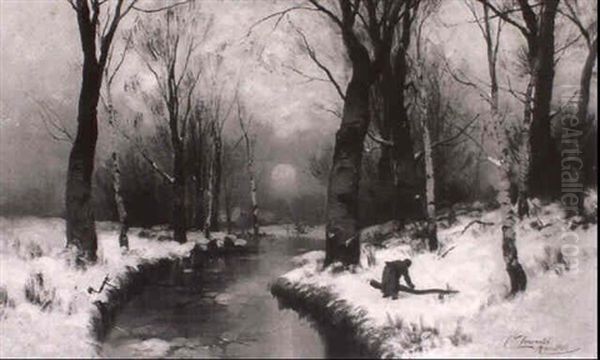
[[98, 21]]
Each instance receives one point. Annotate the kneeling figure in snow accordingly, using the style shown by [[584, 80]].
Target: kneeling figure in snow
[[390, 279]]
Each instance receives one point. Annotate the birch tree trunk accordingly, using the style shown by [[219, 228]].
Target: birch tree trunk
[[524, 157], [208, 197], [251, 175], [254, 199], [121, 211], [228, 211], [217, 170], [516, 274], [429, 189], [500, 156], [116, 171], [500, 150], [178, 221]]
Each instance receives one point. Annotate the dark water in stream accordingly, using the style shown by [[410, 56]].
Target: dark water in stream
[[227, 311]]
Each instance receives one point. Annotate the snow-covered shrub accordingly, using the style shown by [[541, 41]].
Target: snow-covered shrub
[[413, 337], [460, 337], [5, 301], [38, 292]]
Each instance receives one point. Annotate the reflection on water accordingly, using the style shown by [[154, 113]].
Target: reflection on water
[[225, 311]]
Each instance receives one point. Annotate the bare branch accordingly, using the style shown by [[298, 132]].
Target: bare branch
[[311, 53], [279, 15], [327, 12], [485, 223], [71, 2], [140, 149], [503, 14], [52, 122], [449, 139], [520, 96], [167, 7]]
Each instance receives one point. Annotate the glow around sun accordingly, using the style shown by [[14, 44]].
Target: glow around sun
[[283, 179]]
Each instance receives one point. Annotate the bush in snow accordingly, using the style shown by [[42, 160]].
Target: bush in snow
[[5, 301], [37, 291]]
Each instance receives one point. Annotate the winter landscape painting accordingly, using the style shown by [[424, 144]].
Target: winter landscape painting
[[298, 178]]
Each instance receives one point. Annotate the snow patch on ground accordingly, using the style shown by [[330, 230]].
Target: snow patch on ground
[[559, 306], [59, 324]]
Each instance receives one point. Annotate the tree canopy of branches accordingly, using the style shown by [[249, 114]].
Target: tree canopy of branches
[[536, 23], [167, 45]]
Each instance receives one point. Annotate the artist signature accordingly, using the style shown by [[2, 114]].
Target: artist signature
[[542, 346]]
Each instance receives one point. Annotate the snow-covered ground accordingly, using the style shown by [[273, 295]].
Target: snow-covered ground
[[556, 315], [57, 321]]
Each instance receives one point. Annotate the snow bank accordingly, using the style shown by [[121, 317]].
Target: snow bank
[[560, 303], [47, 310]]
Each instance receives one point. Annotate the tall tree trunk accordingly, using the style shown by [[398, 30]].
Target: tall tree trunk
[[178, 220], [253, 198], [397, 163], [121, 211], [209, 197], [196, 138], [516, 274], [500, 146], [217, 172], [342, 243], [81, 228], [501, 151], [524, 157], [116, 172], [429, 189], [582, 122], [228, 215], [545, 162], [406, 172]]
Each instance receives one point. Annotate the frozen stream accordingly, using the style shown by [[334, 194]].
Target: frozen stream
[[227, 311]]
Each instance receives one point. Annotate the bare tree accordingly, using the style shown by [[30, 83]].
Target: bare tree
[[218, 108], [113, 65], [538, 155], [96, 41], [430, 202], [81, 229], [498, 150], [231, 163], [245, 120], [380, 20], [167, 46]]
